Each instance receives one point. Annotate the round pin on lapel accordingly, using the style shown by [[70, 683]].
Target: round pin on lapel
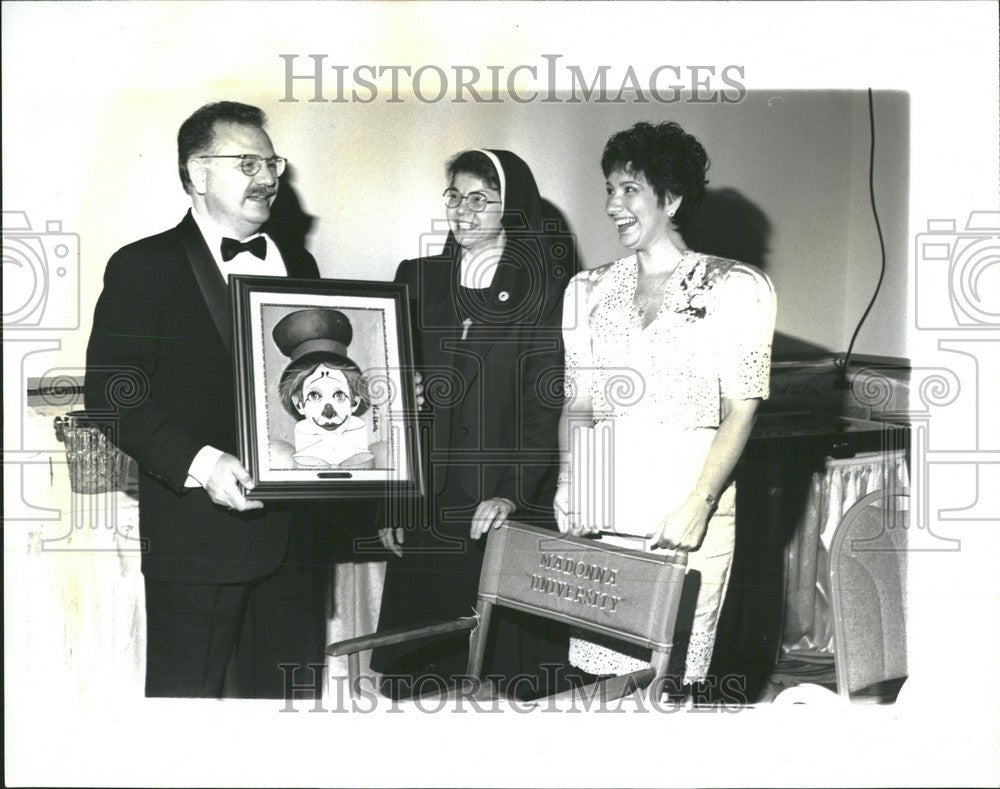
[[503, 295]]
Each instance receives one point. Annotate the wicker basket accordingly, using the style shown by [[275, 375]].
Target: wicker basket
[[95, 464]]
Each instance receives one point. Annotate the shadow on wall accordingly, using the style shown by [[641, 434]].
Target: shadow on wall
[[787, 348], [729, 225], [556, 225], [289, 223]]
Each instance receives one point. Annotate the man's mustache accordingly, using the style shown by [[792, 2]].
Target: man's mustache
[[262, 192]]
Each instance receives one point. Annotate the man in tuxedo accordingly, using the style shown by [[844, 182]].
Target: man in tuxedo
[[224, 575]]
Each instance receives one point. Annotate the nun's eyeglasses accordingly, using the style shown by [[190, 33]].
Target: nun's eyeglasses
[[250, 163], [476, 201]]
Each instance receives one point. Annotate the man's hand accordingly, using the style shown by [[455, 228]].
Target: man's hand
[[223, 486], [492, 513]]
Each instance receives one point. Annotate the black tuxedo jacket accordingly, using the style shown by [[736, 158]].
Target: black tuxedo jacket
[[495, 396], [159, 359]]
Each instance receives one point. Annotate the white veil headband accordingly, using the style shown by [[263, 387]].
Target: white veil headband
[[503, 180]]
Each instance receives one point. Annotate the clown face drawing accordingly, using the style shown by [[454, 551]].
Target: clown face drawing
[[330, 432], [324, 389], [326, 398]]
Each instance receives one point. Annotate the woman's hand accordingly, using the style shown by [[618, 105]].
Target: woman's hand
[[492, 513], [561, 506], [570, 522], [685, 527], [392, 540]]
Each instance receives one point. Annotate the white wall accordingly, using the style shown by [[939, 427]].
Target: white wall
[[883, 333], [91, 142], [372, 175]]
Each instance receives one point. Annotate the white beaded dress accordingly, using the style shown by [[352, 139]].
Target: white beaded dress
[[657, 398]]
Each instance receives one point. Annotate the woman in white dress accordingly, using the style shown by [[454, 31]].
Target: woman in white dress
[[667, 360]]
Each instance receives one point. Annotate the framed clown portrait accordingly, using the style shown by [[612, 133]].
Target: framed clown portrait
[[326, 406]]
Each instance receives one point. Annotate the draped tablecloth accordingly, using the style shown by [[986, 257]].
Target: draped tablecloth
[[352, 610], [808, 620], [75, 610]]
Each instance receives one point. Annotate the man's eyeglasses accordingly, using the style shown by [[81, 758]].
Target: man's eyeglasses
[[250, 163], [476, 201]]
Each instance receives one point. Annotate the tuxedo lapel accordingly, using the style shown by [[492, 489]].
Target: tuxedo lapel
[[206, 273], [298, 262]]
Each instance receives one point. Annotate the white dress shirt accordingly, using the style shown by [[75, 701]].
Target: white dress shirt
[[243, 263]]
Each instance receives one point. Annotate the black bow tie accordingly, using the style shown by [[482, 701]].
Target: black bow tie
[[255, 246]]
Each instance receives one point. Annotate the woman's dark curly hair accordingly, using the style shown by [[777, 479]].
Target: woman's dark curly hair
[[670, 159]]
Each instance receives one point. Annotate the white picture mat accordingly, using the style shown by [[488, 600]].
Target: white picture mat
[[389, 371]]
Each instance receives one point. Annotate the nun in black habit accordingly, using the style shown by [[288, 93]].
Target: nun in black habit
[[487, 314]]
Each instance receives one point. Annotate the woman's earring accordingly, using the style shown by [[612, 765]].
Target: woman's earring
[[675, 204]]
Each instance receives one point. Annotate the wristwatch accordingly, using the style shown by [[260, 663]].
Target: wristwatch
[[712, 500]]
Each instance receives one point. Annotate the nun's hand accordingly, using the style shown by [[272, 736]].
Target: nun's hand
[[490, 514], [418, 389], [392, 540]]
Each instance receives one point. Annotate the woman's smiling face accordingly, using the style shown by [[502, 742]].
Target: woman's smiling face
[[634, 208], [473, 229]]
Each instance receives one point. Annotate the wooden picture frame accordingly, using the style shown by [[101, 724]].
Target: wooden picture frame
[[326, 406]]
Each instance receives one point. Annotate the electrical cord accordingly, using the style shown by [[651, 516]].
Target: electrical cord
[[878, 227]]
